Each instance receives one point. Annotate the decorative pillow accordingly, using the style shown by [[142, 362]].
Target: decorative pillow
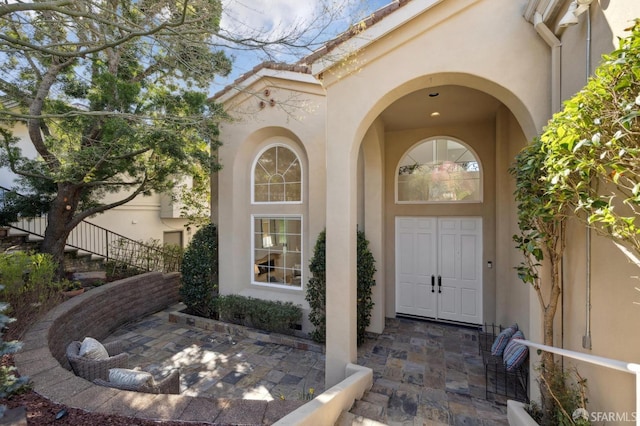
[[503, 338], [92, 349], [126, 377], [515, 353]]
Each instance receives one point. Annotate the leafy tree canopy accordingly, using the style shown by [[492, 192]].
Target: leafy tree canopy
[[111, 93]]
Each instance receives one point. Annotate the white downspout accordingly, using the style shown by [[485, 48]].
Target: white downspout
[[555, 44]]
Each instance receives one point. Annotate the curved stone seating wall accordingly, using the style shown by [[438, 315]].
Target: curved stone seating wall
[[97, 313], [100, 311]]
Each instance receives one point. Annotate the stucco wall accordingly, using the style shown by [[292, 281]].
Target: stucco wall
[[297, 120], [482, 59], [371, 216], [140, 220], [474, 43], [350, 163], [512, 295]]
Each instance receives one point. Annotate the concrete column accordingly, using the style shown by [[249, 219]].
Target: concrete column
[[341, 254]]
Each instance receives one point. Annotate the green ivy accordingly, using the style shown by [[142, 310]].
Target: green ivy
[[265, 315], [200, 272], [316, 288]]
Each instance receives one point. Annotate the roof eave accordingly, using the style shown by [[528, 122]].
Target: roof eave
[[235, 89]]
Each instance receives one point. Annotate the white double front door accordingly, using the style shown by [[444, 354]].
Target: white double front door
[[439, 268]]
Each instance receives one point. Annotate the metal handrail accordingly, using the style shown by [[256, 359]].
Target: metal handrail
[[96, 240], [627, 367]]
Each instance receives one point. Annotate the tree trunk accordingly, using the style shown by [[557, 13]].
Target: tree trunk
[[547, 360], [60, 224]]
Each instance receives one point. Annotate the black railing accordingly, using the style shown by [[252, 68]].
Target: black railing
[[99, 241]]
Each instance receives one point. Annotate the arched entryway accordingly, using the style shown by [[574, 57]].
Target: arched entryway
[[475, 122], [486, 126]]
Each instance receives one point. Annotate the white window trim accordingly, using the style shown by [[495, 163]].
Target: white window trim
[[433, 138], [253, 252], [253, 175]]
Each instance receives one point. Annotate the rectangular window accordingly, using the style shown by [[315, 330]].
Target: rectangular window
[[277, 251]]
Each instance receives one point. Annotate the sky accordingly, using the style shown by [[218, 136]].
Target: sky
[[272, 17]]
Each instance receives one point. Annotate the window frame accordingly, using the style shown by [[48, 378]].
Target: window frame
[[434, 139], [259, 216], [253, 175]]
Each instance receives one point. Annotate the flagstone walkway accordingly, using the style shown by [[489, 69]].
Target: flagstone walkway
[[432, 373]]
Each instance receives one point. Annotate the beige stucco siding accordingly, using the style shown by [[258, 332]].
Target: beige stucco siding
[[476, 44], [296, 120], [350, 158]]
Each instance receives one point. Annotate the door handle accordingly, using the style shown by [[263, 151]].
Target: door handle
[[433, 284], [439, 284]]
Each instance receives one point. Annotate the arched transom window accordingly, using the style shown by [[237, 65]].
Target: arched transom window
[[439, 170], [277, 176]]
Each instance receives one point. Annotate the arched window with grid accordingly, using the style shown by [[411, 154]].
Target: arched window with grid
[[277, 176]]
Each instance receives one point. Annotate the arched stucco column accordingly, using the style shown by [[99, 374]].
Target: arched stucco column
[[340, 251], [374, 217]]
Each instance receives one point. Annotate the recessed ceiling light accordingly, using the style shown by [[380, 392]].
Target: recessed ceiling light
[[435, 114], [433, 94]]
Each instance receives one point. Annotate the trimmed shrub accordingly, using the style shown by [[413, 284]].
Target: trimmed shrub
[[366, 269], [265, 315], [30, 287], [317, 288], [200, 272]]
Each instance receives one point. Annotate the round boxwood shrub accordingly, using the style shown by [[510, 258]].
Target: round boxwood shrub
[[366, 269], [200, 272], [316, 289]]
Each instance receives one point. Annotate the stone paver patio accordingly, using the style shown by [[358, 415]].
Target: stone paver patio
[[431, 373]]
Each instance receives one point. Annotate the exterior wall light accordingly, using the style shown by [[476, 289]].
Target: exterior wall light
[[576, 8]]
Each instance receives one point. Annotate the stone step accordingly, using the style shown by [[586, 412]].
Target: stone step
[[89, 278], [350, 419], [76, 261], [369, 410], [18, 241], [376, 398]]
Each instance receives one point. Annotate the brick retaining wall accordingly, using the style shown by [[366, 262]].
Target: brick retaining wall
[[102, 310], [97, 313]]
